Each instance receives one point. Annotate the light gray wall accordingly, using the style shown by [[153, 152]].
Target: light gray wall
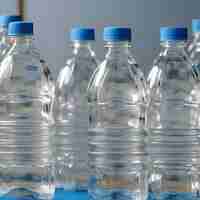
[[8, 7], [54, 18]]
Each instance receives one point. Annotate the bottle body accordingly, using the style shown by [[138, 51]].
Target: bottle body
[[71, 128], [26, 115], [117, 138], [173, 122]]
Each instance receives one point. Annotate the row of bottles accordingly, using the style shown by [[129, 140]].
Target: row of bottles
[[101, 127], [116, 112], [143, 136]]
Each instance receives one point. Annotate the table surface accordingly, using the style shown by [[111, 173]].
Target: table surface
[[60, 194]]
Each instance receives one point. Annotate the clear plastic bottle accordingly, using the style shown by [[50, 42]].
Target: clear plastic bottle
[[25, 117], [71, 113], [5, 41], [117, 137], [173, 119]]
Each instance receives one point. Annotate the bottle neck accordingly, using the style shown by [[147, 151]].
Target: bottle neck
[[82, 48], [174, 46], [22, 42], [118, 50]]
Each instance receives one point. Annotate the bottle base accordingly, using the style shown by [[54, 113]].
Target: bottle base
[[114, 194], [24, 194], [174, 196]]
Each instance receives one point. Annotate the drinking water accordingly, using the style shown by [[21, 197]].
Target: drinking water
[[25, 117], [117, 138], [71, 113], [173, 119]]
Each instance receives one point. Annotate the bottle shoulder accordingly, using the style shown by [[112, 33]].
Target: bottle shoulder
[[77, 71], [118, 80], [173, 65], [173, 78], [24, 90], [24, 67]]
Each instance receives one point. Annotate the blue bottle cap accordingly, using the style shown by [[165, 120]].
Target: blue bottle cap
[[114, 34], [173, 34], [195, 25], [82, 34], [20, 28], [5, 20]]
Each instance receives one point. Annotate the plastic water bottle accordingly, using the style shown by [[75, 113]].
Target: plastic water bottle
[[5, 42], [173, 119], [25, 116], [117, 137], [71, 113]]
